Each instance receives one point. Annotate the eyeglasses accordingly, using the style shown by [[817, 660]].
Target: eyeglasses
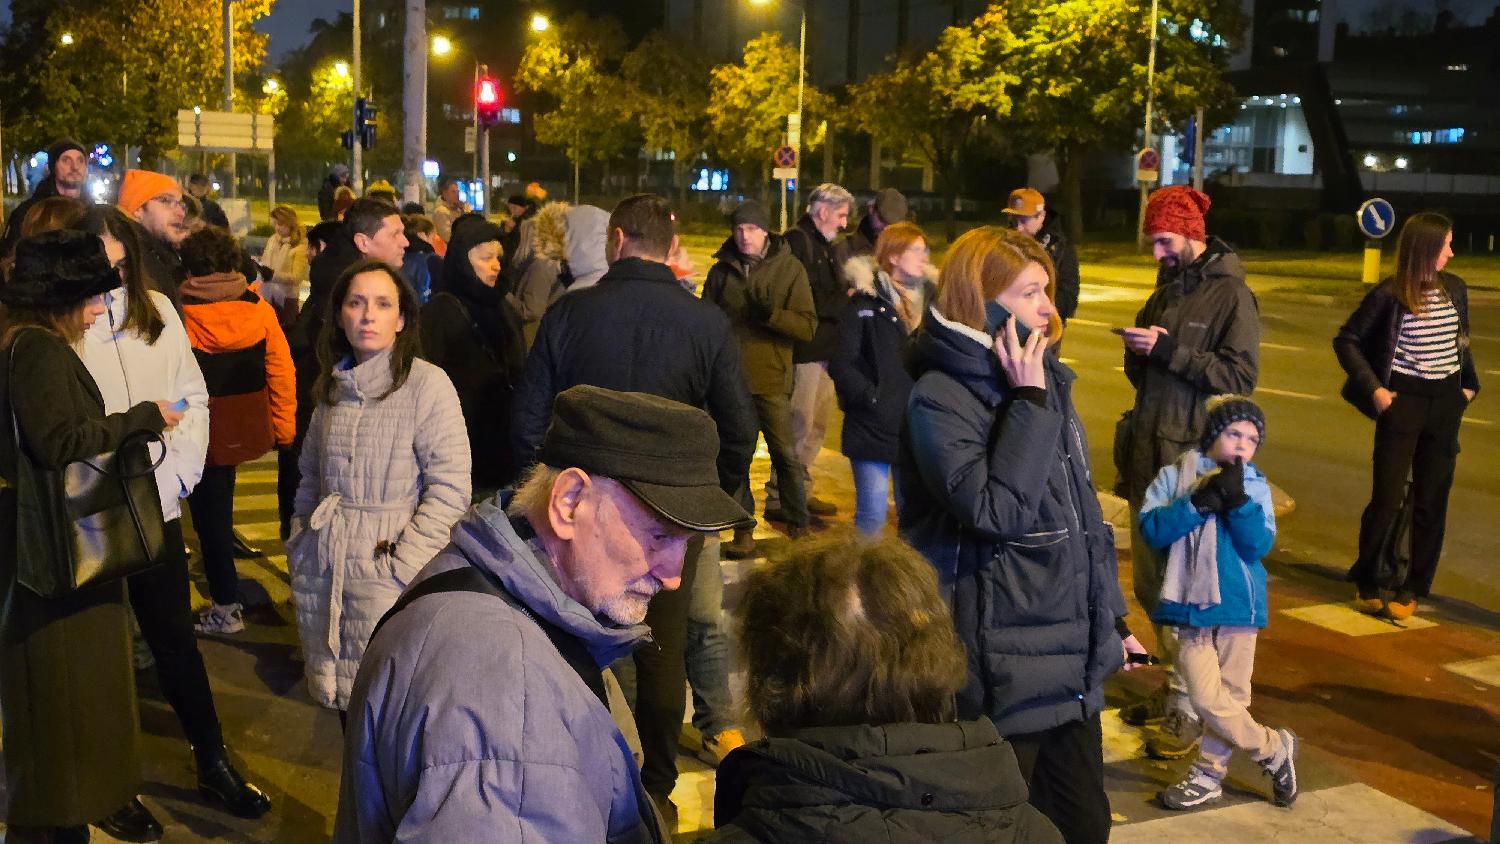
[[169, 201]]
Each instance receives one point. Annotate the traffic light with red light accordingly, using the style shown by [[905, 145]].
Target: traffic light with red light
[[487, 101]]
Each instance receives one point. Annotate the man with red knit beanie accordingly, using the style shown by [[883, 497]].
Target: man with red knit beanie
[[1198, 335]]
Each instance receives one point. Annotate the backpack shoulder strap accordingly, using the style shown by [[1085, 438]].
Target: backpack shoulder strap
[[471, 579]]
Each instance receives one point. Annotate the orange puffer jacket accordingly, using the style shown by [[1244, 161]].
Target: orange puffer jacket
[[247, 365]]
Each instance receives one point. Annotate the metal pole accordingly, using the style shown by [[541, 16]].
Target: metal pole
[[474, 91], [483, 144], [357, 162], [1198, 149], [234, 168], [1150, 103], [801, 79], [271, 176], [413, 100]]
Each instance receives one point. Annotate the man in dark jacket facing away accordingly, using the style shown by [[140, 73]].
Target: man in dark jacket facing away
[[479, 712], [1027, 211], [1197, 336], [198, 186], [888, 206], [763, 290], [639, 330], [67, 170], [812, 241]]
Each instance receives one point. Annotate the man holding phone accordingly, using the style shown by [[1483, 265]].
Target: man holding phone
[[1198, 335]]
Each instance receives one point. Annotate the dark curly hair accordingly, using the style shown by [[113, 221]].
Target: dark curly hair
[[209, 251]]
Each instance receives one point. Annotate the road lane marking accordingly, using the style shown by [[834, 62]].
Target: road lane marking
[[1342, 618], [1474, 421], [1281, 347], [1291, 394], [1090, 322], [1485, 670]]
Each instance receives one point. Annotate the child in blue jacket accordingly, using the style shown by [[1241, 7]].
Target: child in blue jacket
[[1209, 517]]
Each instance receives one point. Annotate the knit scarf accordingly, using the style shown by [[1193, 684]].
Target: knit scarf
[[1192, 573]]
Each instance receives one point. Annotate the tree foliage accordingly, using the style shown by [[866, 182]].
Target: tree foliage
[[576, 65], [130, 67], [748, 104], [668, 84], [936, 103]]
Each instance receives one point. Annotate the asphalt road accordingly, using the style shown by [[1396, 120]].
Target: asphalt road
[[1317, 447]]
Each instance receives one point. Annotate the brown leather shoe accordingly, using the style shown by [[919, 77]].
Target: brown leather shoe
[[742, 547]]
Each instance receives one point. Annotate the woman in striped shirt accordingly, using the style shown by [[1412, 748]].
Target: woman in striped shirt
[[1406, 352]]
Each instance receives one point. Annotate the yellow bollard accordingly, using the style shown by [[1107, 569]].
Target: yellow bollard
[[1371, 273]]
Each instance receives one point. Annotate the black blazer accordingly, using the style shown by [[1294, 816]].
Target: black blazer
[[1366, 344]]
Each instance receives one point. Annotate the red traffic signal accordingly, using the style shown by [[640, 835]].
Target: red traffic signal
[[487, 100]]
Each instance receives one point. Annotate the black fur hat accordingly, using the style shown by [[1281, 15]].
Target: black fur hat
[[57, 269]]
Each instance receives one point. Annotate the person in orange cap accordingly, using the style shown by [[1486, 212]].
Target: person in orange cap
[[1026, 211], [154, 200]]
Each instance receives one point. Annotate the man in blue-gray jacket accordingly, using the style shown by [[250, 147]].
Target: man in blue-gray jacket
[[479, 710]]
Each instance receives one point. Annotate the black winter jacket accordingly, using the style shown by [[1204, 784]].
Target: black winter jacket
[[45, 188], [162, 266], [998, 496], [894, 784], [1366, 343], [1065, 263], [639, 330], [824, 263], [868, 367], [1212, 347]]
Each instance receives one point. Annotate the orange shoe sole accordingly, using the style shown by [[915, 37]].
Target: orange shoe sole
[[1401, 612]]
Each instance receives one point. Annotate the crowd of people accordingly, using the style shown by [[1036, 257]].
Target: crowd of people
[[507, 452]]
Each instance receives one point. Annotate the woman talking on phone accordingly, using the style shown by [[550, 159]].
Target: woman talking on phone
[[998, 496]]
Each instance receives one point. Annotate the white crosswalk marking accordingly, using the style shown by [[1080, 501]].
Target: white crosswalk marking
[[1342, 618], [1485, 670]]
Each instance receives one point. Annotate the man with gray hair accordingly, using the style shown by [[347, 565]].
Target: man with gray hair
[[812, 242]]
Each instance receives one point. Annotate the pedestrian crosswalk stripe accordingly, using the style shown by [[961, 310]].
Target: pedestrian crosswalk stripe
[[255, 476], [1280, 347], [1291, 394], [1342, 618], [694, 798], [245, 502], [1122, 742], [1484, 670], [1470, 420], [1345, 814], [260, 531]]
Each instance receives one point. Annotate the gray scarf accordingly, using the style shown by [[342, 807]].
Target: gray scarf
[[1192, 574]]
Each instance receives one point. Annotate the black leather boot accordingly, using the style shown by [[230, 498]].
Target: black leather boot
[[223, 787], [132, 822]]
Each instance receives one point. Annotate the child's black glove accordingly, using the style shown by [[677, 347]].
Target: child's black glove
[[1231, 482], [1207, 499]]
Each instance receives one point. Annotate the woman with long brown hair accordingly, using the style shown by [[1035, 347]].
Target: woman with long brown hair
[[1411, 369], [385, 474], [285, 256], [67, 693], [998, 495]]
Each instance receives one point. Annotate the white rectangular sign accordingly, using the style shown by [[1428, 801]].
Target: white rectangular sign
[[225, 131]]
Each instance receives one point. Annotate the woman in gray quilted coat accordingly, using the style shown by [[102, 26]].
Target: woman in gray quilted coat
[[385, 474]]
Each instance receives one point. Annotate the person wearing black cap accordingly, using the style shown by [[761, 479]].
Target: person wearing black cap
[[539, 589], [763, 289], [67, 692], [888, 206], [520, 209], [638, 330], [67, 170], [474, 334]]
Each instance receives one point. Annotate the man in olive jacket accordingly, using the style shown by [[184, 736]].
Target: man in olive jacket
[[1197, 336], [763, 290]]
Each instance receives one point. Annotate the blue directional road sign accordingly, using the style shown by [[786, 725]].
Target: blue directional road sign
[[1376, 218]]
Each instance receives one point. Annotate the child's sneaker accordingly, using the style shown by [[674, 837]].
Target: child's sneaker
[[1198, 789], [221, 619], [1284, 775], [714, 749]]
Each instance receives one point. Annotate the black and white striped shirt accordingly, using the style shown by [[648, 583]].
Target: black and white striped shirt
[[1428, 344]]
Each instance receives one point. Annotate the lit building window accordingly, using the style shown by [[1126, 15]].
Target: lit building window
[[510, 115], [1432, 136]]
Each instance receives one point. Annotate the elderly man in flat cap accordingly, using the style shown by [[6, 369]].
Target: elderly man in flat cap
[[479, 710]]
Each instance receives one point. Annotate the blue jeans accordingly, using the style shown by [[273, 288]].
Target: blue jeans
[[872, 483], [708, 647]]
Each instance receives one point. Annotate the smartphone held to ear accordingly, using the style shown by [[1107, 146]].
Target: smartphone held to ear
[[997, 315]]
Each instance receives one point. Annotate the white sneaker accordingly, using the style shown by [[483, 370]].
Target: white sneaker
[[221, 619], [1194, 791]]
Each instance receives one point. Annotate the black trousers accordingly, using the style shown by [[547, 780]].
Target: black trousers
[[160, 600], [660, 681], [288, 476], [1064, 767], [1417, 436], [212, 505]]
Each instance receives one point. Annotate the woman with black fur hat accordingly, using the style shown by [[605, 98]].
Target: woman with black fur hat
[[67, 692], [475, 335]]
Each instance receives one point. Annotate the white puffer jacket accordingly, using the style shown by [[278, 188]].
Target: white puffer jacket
[[383, 483]]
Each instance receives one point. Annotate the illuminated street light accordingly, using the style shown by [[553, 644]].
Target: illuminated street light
[[539, 23], [1371, 160], [67, 39], [1401, 163], [271, 86], [342, 69], [441, 46]]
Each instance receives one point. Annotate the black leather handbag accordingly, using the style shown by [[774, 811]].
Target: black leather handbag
[[92, 522]]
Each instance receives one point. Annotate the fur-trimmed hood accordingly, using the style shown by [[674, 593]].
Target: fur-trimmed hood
[[862, 274]]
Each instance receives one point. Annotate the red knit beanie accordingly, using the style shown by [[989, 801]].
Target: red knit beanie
[[1176, 210]]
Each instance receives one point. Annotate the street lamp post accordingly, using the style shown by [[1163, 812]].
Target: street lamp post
[[414, 100], [794, 123], [1150, 103], [356, 155]]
